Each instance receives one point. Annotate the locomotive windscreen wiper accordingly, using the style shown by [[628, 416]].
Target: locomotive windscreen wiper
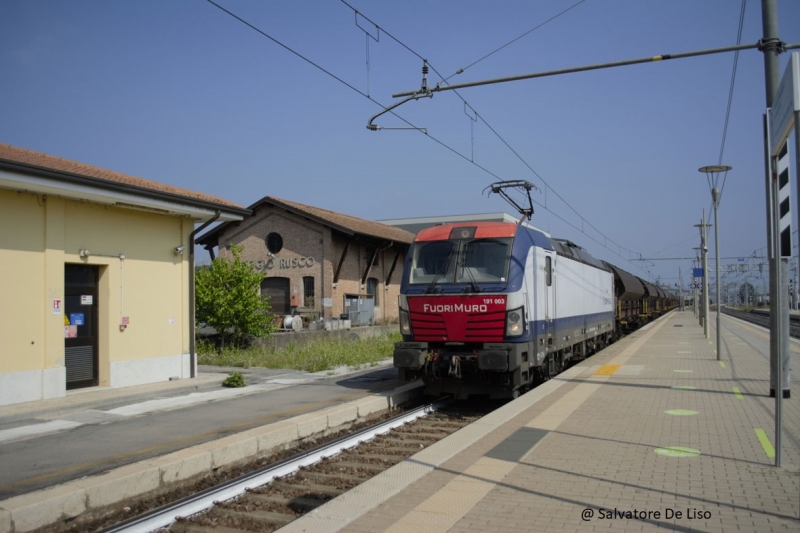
[[472, 283], [432, 287]]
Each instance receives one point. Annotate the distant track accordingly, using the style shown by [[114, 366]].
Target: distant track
[[762, 319]]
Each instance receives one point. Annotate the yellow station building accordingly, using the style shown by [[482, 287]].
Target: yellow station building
[[97, 276]]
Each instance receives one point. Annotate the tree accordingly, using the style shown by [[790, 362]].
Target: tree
[[227, 299]]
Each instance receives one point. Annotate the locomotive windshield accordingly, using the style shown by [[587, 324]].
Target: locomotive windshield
[[460, 261]]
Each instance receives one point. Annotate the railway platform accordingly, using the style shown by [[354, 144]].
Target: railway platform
[[652, 433]]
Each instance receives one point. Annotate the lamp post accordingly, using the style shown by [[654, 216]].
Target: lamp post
[[712, 174]]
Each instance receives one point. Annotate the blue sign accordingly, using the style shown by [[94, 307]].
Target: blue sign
[[76, 319], [698, 272]]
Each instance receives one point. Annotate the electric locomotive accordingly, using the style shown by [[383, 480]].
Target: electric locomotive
[[494, 307]]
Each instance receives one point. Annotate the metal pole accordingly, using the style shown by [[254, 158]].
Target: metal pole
[[704, 251], [771, 47], [779, 304], [786, 368], [599, 66], [715, 193]]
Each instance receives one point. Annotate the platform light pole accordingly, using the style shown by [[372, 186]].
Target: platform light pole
[[712, 173]]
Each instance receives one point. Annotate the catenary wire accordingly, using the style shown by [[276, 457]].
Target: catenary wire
[[461, 70], [454, 151], [340, 80], [500, 137], [730, 92], [733, 81]]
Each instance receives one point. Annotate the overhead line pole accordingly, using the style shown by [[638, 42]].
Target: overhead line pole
[[772, 47], [651, 59]]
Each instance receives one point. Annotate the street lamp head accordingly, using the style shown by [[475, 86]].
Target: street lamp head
[[712, 173], [714, 169]]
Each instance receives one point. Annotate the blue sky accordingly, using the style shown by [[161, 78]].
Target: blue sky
[[182, 93]]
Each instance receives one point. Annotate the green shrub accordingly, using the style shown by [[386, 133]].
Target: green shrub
[[227, 299], [234, 379]]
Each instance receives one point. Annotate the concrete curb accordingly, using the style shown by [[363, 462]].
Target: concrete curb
[[41, 509]]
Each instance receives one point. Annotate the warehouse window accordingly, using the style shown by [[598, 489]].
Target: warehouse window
[[367, 257], [308, 292]]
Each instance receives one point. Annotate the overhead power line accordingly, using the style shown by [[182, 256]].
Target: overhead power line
[[584, 221], [617, 252], [461, 70], [733, 82]]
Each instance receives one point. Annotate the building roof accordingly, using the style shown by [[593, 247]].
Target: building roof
[[341, 222], [417, 224], [57, 171]]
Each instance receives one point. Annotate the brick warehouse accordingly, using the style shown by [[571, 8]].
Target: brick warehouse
[[318, 262]]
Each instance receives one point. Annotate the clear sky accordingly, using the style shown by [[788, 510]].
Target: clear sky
[[182, 93]]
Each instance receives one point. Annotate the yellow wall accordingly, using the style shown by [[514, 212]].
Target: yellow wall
[[22, 272], [150, 285]]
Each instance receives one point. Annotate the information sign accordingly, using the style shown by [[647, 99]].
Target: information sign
[[786, 103]]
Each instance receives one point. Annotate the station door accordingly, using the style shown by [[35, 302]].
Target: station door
[[80, 325]]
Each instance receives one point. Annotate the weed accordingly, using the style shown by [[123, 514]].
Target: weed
[[316, 356], [234, 379]]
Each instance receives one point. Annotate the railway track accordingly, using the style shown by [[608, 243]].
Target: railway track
[[270, 497], [762, 319]]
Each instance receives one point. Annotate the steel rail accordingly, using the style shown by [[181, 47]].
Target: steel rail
[[762, 320], [165, 516]]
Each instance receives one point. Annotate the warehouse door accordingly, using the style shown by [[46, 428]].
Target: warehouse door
[[360, 309], [278, 291], [80, 325]]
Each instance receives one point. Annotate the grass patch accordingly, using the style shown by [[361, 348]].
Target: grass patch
[[313, 356]]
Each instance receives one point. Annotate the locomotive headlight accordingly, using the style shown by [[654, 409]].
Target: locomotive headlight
[[515, 325], [405, 323]]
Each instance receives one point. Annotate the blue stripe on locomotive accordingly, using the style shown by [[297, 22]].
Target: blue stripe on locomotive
[[516, 274], [526, 237]]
